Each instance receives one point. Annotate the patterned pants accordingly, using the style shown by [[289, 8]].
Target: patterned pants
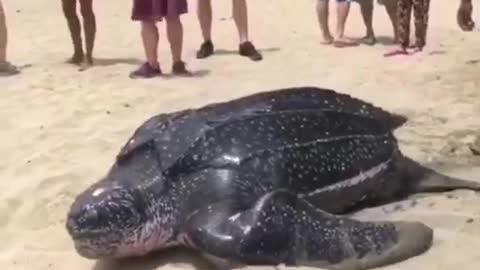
[[420, 16]]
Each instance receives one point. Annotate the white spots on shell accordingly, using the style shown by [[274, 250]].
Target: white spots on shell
[[234, 217], [352, 181], [97, 192], [231, 158]]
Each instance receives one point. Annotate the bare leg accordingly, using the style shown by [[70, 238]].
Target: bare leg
[[366, 7], [391, 8], [204, 13], [89, 26], [175, 38], [322, 15], [5, 67], [343, 8], [3, 35], [69, 11], [240, 16], [150, 40]]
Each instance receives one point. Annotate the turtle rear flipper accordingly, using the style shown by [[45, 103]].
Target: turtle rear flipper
[[282, 229], [421, 179]]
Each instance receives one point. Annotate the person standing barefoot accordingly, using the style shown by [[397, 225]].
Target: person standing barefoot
[[89, 27], [149, 12], [6, 68], [464, 15], [240, 16], [366, 8], [343, 9]]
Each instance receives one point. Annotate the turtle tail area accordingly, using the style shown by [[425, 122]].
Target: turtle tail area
[[422, 179], [397, 120]]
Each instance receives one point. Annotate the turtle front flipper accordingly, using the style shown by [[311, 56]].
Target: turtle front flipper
[[281, 228]]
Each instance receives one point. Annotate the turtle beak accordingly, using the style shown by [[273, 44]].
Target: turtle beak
[[79, 219]]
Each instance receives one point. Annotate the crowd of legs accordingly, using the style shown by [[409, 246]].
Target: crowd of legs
[[150, 12]]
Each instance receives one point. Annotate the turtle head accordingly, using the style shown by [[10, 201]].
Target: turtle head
[[124, 213], [105, 219]]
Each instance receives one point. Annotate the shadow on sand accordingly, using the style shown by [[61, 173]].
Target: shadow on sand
[[156, 260], [114, 61], [194, 74], [382, 40], [232, 52]]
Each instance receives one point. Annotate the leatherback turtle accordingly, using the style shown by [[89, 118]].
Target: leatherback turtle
[[264, 179]]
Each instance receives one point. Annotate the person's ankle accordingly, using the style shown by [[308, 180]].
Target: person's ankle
[[327, 37], [78, 52], [243, 40], [154, 64]]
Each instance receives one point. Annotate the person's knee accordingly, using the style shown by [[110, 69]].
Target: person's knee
[[86, 11], [365, 4], [148, 26], [322, 4], [238, 2], [69, 10], [173, 20]]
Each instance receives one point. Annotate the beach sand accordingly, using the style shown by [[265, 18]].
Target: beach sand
[[61, 128]]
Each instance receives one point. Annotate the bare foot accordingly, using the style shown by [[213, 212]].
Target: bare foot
[[89, 60], [416, 49], [86, 63], [327, 40], [76, 59], [343, 42]]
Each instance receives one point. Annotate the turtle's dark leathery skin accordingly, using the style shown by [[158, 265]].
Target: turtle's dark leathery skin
[[262, 179]]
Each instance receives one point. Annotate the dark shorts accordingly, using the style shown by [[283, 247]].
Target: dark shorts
[[156, 10]]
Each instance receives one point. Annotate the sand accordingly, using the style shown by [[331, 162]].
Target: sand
[[61, 128]]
